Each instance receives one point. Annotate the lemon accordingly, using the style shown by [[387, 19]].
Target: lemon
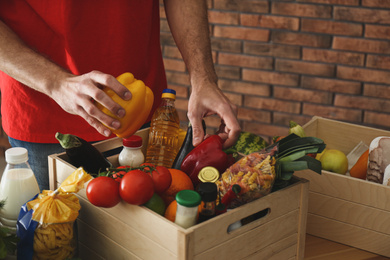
[[334, 160], [156, 203]]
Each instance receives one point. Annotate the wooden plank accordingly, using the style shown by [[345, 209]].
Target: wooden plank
[[86, 253], [304, 207], [349, 212], [254, 240], [348, 234]]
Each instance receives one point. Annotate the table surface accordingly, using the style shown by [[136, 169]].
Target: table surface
[[322, 249]]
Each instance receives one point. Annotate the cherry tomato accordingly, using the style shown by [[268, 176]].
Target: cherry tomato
[[118, 175], [103, 192], [136, 187], [161, 176]]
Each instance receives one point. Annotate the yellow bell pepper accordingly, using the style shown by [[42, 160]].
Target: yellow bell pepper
[[137, 108]]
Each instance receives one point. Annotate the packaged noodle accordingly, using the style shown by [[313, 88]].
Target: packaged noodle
[[249, 178], [46, 223]]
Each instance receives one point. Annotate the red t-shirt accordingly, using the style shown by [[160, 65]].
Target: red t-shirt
[[80, 35]]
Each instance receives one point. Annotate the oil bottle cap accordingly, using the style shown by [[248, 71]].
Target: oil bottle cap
[[188, 198], [208, 174], [169, 93], [208, 191], [133, 141], [16, 155]]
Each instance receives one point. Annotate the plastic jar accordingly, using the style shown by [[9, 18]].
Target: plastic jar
[[131, 154], [187, 208]]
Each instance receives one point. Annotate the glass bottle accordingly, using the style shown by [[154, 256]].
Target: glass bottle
[[131, 154], [208, 192], [164, 132], [18, 185], [187, 208]]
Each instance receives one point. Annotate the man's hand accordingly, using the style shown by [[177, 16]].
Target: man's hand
[[208, 100], [77, 95]]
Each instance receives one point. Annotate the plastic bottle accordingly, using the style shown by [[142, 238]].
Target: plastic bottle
[[18, 185], [131, 154], [208, 192], [164, 132], [187, 208]]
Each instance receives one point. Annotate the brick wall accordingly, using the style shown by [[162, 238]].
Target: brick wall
[[291, 60]]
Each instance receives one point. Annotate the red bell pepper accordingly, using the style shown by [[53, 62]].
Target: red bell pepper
[[207, 153]]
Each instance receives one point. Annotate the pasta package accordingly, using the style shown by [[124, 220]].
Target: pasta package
[[45, 225]]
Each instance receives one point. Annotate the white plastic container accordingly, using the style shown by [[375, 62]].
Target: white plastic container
[[131, 154], [18, 185], [187, 208]]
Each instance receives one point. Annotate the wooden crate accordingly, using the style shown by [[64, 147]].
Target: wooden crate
[[135, 232], [342, 208]]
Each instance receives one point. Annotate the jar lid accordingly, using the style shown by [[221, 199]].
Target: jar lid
[[208, 174], [16, 155], [208, 191], [169, 93], [133, 141], [188, 198]]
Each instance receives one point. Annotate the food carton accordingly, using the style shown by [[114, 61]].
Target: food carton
[[344, 209], [135, 232]]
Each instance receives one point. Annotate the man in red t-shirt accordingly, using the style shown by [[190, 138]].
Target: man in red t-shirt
[[56, 56]]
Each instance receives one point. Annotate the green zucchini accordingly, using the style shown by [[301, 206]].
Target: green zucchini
[[83, 154]]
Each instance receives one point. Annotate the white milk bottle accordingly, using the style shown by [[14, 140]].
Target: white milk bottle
[[18, 185]]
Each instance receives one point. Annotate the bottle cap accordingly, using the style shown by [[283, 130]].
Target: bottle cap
[[133, 141], [16, 155], [169, 93], [208, 191], [188, 198], [208, 174]]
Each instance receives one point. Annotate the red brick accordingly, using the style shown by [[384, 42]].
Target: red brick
[[164, 27], [245, 61], [268, 77], [376, 3], [270, 21], [365, 75], [178, 78], [228, 72], [331, 27], [285, 118], [173, 64], [329, 56], [303, 67], [171, 52], [245, 87], [377, 31], [380, 91], [301, 10], [181, 104], [241, 33], [378, 62], [275, 50], [302, 39], [218, 44], [212, 122], [379, 120], [267, 130], [182, 116], [365, 103], [167, 39], [254, 115], [363, 15], [272, 104], [181, 91], [250, 6], [331, 85], [234, 98], [337, 113], [303, 95], [332, 2], [217, 17], [361, 45]]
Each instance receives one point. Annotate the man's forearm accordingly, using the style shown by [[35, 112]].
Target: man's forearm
[[189, 26], [24, 64]]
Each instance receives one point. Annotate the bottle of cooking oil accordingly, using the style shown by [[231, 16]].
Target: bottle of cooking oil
[[164, 132]]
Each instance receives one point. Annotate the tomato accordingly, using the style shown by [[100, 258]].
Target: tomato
[[103, 192], [161, 176], [118, 175], [136, 187]]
